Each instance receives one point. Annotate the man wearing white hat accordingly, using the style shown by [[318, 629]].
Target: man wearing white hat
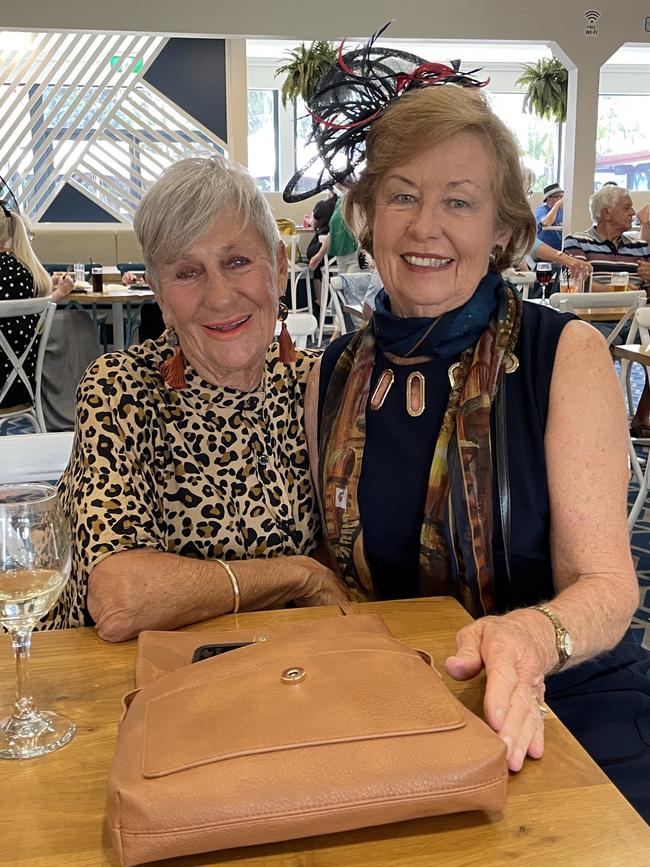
[[549, 217]]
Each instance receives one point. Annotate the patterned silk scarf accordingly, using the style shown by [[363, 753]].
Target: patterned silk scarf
[[456, 535]]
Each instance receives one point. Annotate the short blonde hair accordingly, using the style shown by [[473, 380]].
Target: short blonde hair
[[423, 118], [187, 200]]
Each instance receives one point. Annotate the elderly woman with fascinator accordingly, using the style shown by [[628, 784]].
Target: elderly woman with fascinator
[[467, 443], [188, 487]]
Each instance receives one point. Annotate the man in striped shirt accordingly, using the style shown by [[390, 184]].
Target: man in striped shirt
[[608, 244]]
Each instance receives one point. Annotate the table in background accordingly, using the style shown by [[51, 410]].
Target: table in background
[[123, 318], [633, 352], [561, 810], [600, 314]]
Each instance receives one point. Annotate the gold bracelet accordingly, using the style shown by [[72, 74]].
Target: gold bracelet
[[234, 582]]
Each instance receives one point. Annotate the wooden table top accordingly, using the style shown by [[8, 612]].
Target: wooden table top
[[561, 810], [128, 295], [633, 352], [600, 314]]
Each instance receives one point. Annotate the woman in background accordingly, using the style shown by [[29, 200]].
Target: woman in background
[[21, 276]]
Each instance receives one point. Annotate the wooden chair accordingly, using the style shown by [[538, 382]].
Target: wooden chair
[[43, 308], [40, 457]]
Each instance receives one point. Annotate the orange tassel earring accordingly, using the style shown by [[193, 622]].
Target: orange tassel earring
[[287, 349], [173, 370]]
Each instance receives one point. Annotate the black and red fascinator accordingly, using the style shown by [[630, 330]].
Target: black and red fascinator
[[353, 93]]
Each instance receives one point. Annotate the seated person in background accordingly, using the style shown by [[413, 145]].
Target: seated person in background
[[609, 246], [541, 252], [151, 324], [339, 242], [190, 451], [21, 276], [406, 438], [320, 222], [72, 344], [550, 213]]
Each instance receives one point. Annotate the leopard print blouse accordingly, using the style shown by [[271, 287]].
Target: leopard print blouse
[[202, 472]]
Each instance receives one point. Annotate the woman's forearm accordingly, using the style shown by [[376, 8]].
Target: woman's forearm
[[595, 610], [144, 589]]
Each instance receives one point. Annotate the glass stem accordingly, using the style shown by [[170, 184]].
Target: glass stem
[[22, 641]]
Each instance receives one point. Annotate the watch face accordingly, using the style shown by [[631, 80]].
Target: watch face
[[567, 644]]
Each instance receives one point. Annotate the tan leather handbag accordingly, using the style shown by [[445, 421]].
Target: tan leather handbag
[[296, 736]]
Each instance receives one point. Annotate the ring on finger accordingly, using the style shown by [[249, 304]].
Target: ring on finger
[[543, 711]]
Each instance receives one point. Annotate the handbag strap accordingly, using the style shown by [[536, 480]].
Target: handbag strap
[[503, 477]]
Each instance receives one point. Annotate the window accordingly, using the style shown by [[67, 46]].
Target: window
[[538, 139], [263, 139], [623, 142]]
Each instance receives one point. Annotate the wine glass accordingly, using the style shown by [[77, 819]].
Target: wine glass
[[34, 566], [544, 273]]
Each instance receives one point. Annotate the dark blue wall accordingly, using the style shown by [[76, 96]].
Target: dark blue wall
[[192, 73], [71, 206]]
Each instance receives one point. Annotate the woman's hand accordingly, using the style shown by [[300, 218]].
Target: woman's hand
[[643, 270], [62, 285], [129, 278], [577, 267], [141, 588], [515, 652], [271, 583]]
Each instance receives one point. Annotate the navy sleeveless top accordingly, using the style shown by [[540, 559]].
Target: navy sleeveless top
[[399, 451]]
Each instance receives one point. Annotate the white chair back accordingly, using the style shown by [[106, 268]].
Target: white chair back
[[43, 308], [300, 326], [297, 269], [642, 323], [40, 457], [628, 302]]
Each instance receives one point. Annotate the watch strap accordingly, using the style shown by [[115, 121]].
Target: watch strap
[[560, 633]]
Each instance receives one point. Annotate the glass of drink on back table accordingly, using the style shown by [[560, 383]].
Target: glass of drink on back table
[[544, 272], [34, 567]]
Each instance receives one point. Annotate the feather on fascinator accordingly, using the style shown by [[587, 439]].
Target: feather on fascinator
[[8, 201], [352, 94]]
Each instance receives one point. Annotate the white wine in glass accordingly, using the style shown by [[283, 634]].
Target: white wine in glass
[[34, 567]]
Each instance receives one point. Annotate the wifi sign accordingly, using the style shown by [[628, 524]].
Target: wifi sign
[[591, 17]]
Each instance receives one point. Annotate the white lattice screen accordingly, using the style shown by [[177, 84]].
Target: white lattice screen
[[74, 108]]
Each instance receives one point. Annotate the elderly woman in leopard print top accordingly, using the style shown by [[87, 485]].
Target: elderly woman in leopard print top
[[188, 487]]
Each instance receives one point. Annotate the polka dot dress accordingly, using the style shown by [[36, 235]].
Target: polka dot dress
[[16, 282]]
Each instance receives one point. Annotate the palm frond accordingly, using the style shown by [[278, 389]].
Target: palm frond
[[546, 84], [304, 69]]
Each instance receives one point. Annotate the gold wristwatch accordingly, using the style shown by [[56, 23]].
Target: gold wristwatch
[[563, 640]]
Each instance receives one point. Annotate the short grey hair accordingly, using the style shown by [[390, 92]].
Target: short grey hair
[[187, 200], [605, 197]]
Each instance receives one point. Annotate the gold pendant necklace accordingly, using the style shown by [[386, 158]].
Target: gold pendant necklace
[[415, 383]]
